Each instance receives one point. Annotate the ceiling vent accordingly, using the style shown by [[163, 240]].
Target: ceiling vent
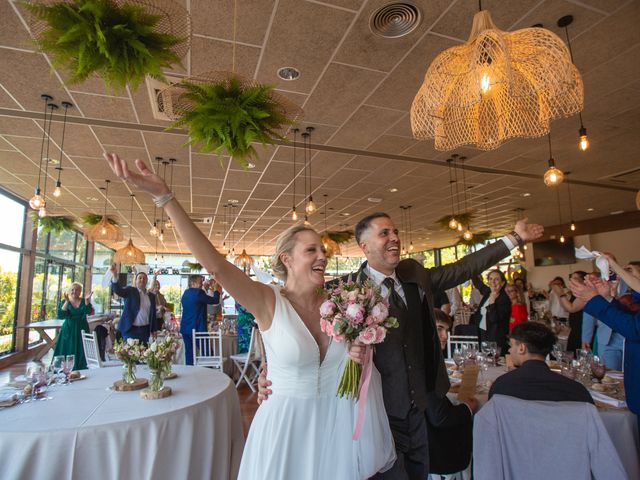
[[154, 87], [395, 20]]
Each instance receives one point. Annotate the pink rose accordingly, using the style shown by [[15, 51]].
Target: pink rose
[[338, 338], [379, 312], [381, 333], [370, 321], [355, 312], [327, 308], [368, 336], [323, 326], [352, 296]]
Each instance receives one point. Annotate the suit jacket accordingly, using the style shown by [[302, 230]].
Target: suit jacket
[[534, 380], [498, 315], [450, 435], [628, 325], [131, 297], [603, 331], [194, 310], [442, 278]]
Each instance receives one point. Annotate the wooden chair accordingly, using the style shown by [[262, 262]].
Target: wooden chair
[[207, 349], [91, 353]]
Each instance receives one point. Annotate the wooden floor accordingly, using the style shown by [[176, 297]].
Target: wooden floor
[[248, 404]]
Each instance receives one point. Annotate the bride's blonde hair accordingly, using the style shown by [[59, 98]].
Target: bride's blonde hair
[[284, 245]]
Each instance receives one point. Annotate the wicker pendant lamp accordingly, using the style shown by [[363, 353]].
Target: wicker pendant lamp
[[129, 254], [244, 260], [496, 86], [103, 231]]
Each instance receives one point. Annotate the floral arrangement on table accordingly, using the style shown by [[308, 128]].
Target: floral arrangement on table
[[129, 353], [355, 311], [158, 357]]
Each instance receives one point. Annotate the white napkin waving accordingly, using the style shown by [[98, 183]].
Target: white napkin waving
[[602, 263], [106, 279]]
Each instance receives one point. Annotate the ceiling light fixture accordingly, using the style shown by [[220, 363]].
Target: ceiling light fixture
[[129, 254], [453, 223], [104, 231], [496, 86], [154, 229], [553, 176], [168, 224], [393, 190], [288, 73], [583, 139], [58, 190], [311, 207], [468, 234], [37, 201], [294, 214], [572, 227], [43, 211]]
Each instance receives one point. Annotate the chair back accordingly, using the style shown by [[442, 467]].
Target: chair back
[[90, 346], [207, 349], [457, 341]]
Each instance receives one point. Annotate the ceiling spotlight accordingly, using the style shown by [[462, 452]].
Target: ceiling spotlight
[[526, 194], [251, 165], [232, 200], [393, 190], [374, 199], [590, 209], [288, 73]]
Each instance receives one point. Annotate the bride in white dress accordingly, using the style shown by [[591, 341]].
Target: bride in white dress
[[303, 431]]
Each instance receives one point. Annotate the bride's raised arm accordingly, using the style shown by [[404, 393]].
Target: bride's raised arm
[[254, 296]]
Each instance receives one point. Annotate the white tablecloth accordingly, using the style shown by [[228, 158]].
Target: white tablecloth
[[621, 425], [91, 432]]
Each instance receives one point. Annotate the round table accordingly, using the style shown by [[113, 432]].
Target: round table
[[90, 431]]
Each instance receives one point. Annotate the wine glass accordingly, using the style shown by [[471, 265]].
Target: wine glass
[[497, 351], [67, 368], [458, 357], [58, 364], [33, 374], [598, 369]]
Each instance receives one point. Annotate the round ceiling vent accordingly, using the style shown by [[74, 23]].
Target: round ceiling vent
[[395, 20]]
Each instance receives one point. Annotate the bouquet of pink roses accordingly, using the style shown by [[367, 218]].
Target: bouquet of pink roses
[[355, 311]]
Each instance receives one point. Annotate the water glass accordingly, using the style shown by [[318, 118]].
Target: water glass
[[458, 357], [67, 368], [58, 365], [598, 369]]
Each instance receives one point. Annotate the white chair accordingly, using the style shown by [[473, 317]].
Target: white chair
[[457, 341], [246, 362], [207, 349], [91, 353]]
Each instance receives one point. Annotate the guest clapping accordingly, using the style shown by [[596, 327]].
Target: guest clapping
[[74, 309]]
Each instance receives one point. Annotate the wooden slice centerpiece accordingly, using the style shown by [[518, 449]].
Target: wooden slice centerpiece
[[139, 383], [148, 394]]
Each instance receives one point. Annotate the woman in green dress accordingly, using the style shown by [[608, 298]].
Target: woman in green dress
[[74, 309]]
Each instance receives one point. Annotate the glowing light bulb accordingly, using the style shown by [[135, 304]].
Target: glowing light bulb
[[168, 224], [467, 235], [311, 206], [103, 231], [453, 224], [460, 227], [36, 202], [129, 253], [154, 230], [485, 83], [583, 144], [42, 212], [224, 246], [294, 215], [573, 227], [161, 236], [553, 177], [561, 238], [404, 252], [57, 191], [411, 247], [525, 247]]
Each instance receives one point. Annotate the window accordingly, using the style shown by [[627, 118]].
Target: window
[[11, 243], [101, 294], [448, 255], [429, 258]]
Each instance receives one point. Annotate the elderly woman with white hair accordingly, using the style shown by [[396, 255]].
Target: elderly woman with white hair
[[74, 310]]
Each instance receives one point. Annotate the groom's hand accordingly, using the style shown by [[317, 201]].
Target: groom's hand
[[528, 231], [357, 351], [263, 385]]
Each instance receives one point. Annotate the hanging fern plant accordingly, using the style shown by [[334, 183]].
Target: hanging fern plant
[[229, 114], [192, 266], [120, 41], [52, 224], [340, 237], [94, 219], [463, 217], [479, 237]]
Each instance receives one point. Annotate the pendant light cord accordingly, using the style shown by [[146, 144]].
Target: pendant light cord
[[453, 209], [44, 133], [131, 215], [106, 192], [295, 139], [46, 165], [235, 20], [64, 128]]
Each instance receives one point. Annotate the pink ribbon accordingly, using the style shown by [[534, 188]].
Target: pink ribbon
[[363, 390]]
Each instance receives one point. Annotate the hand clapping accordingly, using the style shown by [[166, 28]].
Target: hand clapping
[[528, 231]]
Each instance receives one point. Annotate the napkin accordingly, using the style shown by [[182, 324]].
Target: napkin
[[601, 262], [606, 399], [616, 375]]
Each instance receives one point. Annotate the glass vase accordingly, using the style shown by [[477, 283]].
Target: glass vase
[[156, 381], [166, 370], [129, 373]]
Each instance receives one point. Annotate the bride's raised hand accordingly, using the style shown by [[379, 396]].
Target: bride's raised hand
[[145, 179]]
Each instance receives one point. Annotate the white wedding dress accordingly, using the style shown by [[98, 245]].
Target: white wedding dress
[[303, 431]]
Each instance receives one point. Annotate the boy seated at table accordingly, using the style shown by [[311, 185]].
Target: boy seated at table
[[530, 344]]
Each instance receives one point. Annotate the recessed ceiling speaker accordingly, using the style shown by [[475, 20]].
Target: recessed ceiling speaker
[[395, 20]]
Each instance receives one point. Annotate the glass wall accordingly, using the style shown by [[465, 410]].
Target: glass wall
[[11, 243]]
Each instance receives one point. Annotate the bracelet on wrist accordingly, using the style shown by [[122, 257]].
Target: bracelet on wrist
[[517, 238], [162, 200]]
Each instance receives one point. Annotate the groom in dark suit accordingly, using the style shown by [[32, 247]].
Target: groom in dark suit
[[410, 359]]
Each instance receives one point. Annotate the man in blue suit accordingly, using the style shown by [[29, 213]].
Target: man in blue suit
[[138, 318], [194, 313], [596, 294], [610, 343]]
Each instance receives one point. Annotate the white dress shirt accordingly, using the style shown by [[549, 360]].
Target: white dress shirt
[[142, 319]]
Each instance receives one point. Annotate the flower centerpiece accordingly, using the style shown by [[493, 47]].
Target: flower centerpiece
[[157, 357], [129, 352], [355, 311]]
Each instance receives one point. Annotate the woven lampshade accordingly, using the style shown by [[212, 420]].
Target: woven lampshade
[[129, 254], [173, 19], [103, 231], [496, 86], [175, 104], [331, 247], [244, 260]]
